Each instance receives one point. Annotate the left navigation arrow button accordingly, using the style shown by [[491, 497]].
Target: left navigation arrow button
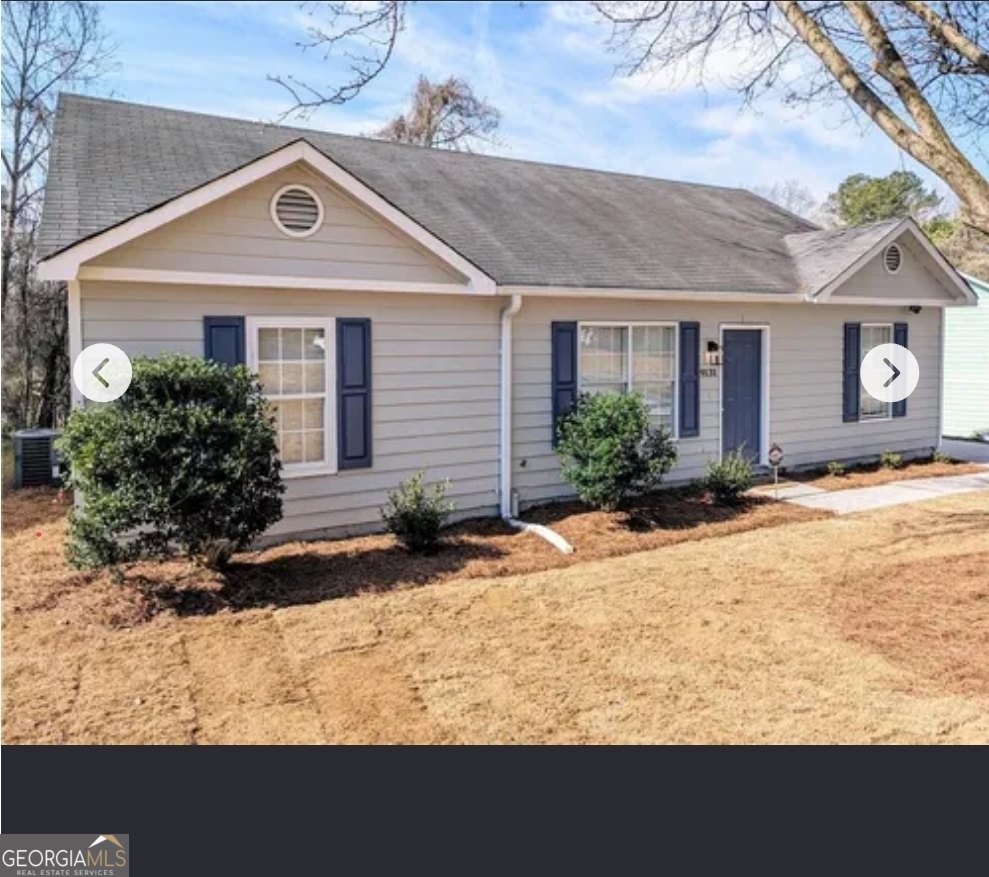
[[98, 376], [102, 372]]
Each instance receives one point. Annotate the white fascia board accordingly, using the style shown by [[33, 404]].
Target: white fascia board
[[263, 281], [652, 294], [66, 265], [894, 302]]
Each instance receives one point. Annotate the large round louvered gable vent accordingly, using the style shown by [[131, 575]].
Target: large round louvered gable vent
[[893, 258], [297, 211]]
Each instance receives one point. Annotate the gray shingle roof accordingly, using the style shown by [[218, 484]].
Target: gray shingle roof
[[821, 256], [520, 222]]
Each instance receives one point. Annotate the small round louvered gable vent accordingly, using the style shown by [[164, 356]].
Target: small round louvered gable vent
[[297, 211], [893, 258]]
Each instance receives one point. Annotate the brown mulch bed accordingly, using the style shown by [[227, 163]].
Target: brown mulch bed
[[302, 573], [673, 516], [930, 617], [874, 475]]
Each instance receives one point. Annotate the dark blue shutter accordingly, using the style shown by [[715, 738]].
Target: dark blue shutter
[[224, 339], [852, 364], [354, 394], [900, 337], [690, 387], [564, 370]]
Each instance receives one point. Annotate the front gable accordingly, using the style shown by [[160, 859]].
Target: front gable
[[237, 235], [915, 275], [919, 278], [224, 233]]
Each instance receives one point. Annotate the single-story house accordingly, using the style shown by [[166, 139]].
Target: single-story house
[[410, 308], [966, 366]]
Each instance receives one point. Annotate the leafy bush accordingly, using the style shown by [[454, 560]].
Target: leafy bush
[[416, 514], [889, 460], [729, 478], [611, 451], [836, 469], [940, 457], [186, 459]]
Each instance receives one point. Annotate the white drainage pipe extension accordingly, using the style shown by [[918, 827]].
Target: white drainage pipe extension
[[554, 539], [551, 536]]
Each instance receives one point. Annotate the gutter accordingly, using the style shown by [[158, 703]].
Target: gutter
[[506, 405], [653, 294], [507, 512]]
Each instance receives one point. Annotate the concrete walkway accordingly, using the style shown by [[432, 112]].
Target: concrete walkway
[[968, 452], [863, 499]]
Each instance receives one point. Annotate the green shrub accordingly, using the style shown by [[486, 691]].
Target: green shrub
[[836, 469], [729, 478], [889, 460], [416, 514], [940, 457], [186, 459], [610, 450]]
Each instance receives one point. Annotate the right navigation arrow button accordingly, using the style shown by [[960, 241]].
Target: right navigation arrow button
[[896, 372]]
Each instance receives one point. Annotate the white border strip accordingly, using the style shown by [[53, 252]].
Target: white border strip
[[206, 278], [75, 338]]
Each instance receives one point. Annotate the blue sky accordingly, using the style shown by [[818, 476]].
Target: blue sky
[[544, 65]]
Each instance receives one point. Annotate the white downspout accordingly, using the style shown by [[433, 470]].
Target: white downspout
[[507, 362], [506, 404]]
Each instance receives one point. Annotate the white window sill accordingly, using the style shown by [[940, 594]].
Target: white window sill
[[292, 472], [883, 419]]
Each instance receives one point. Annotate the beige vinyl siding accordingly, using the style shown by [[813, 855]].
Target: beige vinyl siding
[[236, 235], [435, 385], [919, 277], [806, 350]]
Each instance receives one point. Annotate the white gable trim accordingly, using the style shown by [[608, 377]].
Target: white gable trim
[[66, 265], [966, 295]]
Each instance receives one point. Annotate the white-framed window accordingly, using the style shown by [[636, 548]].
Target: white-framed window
[[872, 335], [294, 357], [632, 358]]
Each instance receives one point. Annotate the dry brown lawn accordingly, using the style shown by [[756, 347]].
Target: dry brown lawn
[[874, 475], [870, 627]]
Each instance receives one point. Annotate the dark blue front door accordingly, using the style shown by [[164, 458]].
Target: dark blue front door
[[741, 416]]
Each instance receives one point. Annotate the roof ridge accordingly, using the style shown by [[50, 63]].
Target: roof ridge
[[449, 153]]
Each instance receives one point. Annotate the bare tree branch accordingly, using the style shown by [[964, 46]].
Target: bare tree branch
[[363, 34], [793, 196], [945, 31], [47, 46], [916, 70], [444, 115], [877, 55]]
